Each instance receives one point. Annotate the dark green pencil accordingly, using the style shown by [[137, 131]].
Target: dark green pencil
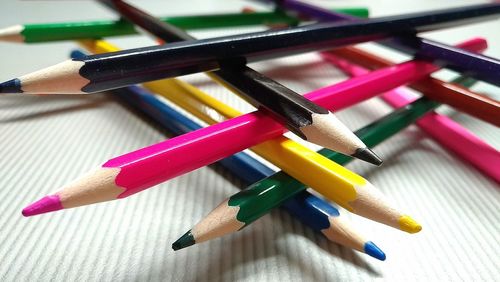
[[273, 191], [33, 33]]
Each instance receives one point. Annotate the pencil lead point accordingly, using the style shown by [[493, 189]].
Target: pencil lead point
[[184, 241], [409, 225], [367, 155], [77, 54], [11, 86], [374, 251], [44, 205]]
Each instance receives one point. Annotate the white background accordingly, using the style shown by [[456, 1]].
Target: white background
[[48, 141]]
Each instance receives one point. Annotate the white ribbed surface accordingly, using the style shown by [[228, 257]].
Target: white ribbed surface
[[48, 141]]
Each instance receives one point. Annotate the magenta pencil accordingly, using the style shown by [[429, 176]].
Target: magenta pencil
[[443, 129], [133, 172]]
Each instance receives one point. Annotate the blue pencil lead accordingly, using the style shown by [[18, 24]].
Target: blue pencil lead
[[11, 86], [372, 250]]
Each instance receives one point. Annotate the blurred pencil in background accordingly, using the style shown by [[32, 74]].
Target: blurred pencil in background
[[444, 130], [456, 96], [475, 65], [46, 32]]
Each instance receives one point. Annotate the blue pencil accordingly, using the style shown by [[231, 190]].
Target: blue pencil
[[309, 209]]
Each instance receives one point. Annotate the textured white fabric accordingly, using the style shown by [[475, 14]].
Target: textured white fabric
[[47, 141]]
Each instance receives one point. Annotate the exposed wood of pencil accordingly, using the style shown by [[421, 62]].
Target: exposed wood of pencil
[[224, 220], [12, 34]]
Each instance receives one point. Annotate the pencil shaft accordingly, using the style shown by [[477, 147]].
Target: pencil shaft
[[263, 92], [242, 165], [35, 33], [458, 97], [475, 65], [205, 55]]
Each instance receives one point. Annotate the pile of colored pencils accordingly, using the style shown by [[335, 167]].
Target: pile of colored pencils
[[143, 77]]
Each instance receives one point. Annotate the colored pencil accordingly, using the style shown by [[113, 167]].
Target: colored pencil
[[107, 71], [475, 65], [149, 166], [306, 119], [456, 96], [36, 33], [314, 170], [444, 130], [293, 158], [261, 197], [284, 153], [309, 209]]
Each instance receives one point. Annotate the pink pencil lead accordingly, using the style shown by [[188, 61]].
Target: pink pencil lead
[[46, 204]]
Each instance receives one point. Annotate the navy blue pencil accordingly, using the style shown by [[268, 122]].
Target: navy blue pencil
[[473, 64], [101, 72], [309, 209]]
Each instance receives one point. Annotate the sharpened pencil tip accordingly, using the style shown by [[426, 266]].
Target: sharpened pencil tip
[[372, 250], [409, 225], [11, 86], [367, 155], [44, 205], [184, 241]]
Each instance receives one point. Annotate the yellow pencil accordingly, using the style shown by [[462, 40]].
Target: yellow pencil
[[335, 182]]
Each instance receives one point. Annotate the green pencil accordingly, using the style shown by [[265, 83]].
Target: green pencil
[[258, 199], [32, 33]]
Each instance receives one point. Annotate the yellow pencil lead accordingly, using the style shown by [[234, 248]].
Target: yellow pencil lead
[[409, 225]]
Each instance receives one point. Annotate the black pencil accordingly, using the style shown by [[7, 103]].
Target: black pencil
[[107, 71], [303, 117]]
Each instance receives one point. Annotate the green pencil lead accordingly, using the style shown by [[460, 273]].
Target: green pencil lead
[[184, 241]]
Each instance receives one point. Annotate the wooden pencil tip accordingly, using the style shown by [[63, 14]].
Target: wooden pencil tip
[[44, 205], [328, 131], [184, 241], [367, 155], [11, 86], [12, 34]]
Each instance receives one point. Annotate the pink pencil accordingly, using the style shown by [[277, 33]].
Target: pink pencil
[[133, 172], [443, 129]]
